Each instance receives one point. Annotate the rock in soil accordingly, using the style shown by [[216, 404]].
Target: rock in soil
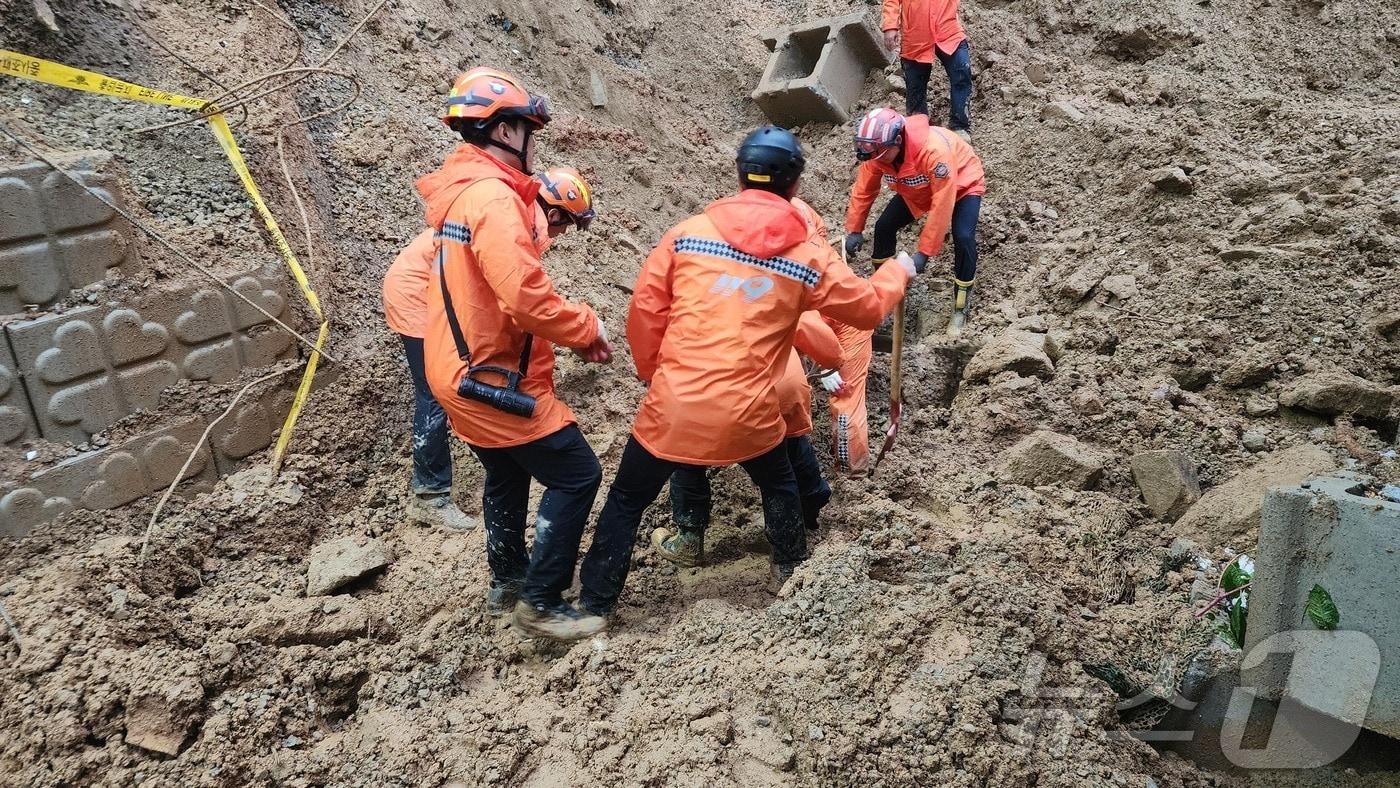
[[1228, 514], [333, 564], [1167, 480], [1334, 393], [1051, 458]]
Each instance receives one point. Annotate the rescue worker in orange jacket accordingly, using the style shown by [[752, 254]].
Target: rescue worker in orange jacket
[[493, 318], [921, 30], [933, 172], [684, 545], [850, 422], [564, 201], [711, 323]]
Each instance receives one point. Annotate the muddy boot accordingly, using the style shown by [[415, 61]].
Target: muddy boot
[[501, 599], [962, 307], [556, 622], [682, 548], [965, 134], [778, 576], [441, 511]]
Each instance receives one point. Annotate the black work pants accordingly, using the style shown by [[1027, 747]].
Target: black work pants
[[567, 467], [432, 456], [896, 217], [959, 68], [690, 488], [640, 477]]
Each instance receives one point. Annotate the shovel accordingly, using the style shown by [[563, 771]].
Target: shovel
[[896, 385]]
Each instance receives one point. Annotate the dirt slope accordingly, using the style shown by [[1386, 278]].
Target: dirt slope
[[914, 647]]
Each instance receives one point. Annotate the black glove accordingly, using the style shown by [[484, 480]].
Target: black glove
[[920, 262], [854, 241]]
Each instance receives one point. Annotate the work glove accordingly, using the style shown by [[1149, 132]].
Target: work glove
[[911, 269], [854, 241], [600, 351], [833, 383], [891, 40]]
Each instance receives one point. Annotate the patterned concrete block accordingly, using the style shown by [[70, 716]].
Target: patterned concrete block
[[817, 69], [16, 419], [108, 478], [252, 426], [89, 367], [55, 236]]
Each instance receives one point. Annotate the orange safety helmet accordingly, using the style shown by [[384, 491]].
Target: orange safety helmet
[[877, 131], [484, 95], [565, 189]]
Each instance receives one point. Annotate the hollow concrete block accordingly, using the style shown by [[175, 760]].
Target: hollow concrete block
[[16, 419], [54, 236], [817, 69], [1330, 533], [107, 478]]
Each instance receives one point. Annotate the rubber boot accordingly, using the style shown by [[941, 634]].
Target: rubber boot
[[962, 307], [682, 548], [556, 622]]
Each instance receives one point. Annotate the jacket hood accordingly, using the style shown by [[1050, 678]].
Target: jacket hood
[[464, 166], [757, 222]]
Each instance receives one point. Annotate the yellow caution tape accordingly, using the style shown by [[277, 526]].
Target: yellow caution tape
[[225, 136], [48, 72]]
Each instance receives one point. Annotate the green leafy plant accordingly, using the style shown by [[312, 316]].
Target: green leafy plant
[[1230, 607], [1321, 609]]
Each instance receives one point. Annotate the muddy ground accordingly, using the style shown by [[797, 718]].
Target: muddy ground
[[915, 647]]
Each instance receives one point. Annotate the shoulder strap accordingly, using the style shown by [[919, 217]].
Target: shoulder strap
[[459, 338]]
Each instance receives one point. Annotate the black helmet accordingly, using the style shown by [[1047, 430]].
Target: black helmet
[[770, 158]]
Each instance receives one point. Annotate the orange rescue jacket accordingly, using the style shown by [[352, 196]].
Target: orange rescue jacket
[[484, 215], [938, 169], [409, 276], [816, 340], [712, 320], [923, 25]]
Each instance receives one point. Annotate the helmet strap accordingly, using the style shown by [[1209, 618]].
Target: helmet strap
[[519, 152]]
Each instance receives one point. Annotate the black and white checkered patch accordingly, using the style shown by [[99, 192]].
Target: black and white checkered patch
[[455, 232], [781, 266]]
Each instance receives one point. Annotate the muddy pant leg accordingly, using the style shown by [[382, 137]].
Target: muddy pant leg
[[504, 499], [965, 212], [782, 505], [567, 467], [640, 477], [894, 218], [916, 77], [432, 456], [850, 423], [811, 486], [959, 68], [690, 498]]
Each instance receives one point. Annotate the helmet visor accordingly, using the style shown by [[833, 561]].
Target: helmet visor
[[869, 149], [538, 110]]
